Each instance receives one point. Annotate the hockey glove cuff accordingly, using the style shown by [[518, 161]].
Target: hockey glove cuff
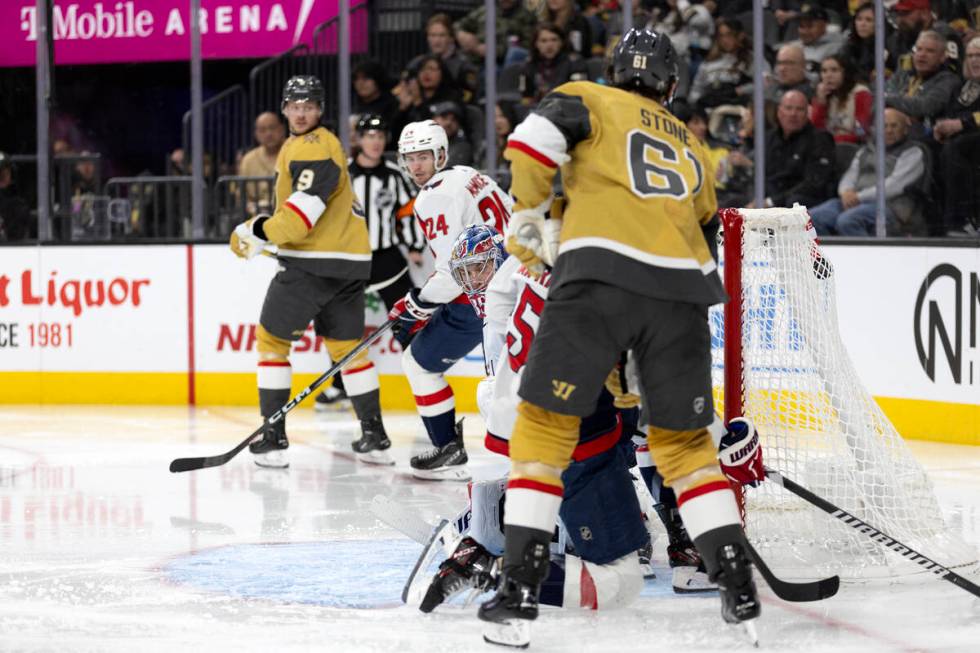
[[248, 240], [534, 241], [740, 453], [412, 314]]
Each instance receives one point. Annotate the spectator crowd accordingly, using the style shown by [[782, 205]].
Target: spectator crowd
[[819, 104]]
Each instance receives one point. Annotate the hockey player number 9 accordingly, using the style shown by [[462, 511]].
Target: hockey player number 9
[[305, 179], [649, 179]]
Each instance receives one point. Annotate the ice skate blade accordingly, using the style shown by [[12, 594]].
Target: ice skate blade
[[272, 459], [688, 580], [513, 633], [458, 473], [376, 458], [332, 407], [750, 630]]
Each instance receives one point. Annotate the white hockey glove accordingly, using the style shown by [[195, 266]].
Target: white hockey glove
[[740, 453], [248, 241], [531, 238]]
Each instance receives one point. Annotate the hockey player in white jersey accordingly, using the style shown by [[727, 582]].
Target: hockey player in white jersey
[[437, 325]]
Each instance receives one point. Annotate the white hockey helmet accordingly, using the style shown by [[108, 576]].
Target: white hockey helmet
[[424, 136]]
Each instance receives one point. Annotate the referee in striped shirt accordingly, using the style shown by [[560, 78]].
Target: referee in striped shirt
[[386, 197]]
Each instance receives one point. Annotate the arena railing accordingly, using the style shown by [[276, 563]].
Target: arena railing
[[235, 199], [148, 207], [265, 81], [226, 127]]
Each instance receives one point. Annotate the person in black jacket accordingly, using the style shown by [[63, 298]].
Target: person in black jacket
[[15, 218], [959, 134], [372, 93], [799, 157], [551, 64]]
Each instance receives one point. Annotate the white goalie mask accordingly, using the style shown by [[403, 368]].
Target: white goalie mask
[[424, 136]]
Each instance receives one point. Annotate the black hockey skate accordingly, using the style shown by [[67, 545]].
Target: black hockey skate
[[469, 567], [445, 463], [270, 451], [739, 599], [510, 613], [373, 444]]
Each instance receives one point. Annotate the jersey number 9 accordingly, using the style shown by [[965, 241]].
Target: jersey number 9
[[655, 167]]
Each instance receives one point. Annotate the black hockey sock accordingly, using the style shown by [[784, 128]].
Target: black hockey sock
[[526, 554], [272, 400], [367, 405], [709, 542], [338, 381]]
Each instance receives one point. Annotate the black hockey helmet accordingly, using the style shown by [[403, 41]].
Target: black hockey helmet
[[371, 122], [304, 88], [645, 61]]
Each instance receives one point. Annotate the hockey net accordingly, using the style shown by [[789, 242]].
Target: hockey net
[[779, 359]]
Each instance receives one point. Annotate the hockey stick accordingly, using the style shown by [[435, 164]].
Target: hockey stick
[[881, 538], [805, 592], [190, 464]]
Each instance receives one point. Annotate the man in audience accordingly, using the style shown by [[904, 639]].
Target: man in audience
[[923, 92], [449, 115], [790, 75], [959, 134], [799, 157], [260, 161], [854, 211], [817, 43], [15, 217], [912, 17], [513, 20]]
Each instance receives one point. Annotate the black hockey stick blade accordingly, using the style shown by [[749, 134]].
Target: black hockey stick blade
[[804, 592], [867, 529], [190, 464]]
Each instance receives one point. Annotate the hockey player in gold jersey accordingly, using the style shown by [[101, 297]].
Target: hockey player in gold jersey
[[633, 270], [324, 263]]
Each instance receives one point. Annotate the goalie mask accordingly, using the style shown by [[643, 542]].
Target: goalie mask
[[424, 136], [476, 255]]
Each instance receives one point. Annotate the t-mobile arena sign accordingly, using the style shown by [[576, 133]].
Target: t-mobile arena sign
[[114, 31]]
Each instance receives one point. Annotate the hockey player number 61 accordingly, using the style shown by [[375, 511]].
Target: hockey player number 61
[[662, 175]]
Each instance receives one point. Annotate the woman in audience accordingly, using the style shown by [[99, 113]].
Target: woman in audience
[[424, 85], [578, 33], [372, 92], [860, 44], [550, 65], [725, 76], [840, 104]]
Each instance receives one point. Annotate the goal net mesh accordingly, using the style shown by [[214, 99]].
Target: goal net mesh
[[818, 424]]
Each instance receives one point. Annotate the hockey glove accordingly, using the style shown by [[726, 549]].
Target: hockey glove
[[248, 240], [740, 453], [534, 241], [412, 314]]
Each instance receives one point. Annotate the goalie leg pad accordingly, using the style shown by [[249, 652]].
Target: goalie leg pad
[[600, 509], [589, 586], [487, 518]]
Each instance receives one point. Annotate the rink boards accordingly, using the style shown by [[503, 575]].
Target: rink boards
[[174, 324]]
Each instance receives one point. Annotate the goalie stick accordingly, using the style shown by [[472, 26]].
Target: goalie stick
[[190, 464], [876, 535]]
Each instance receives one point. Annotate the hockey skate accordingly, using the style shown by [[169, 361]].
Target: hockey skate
[[739, 599], [510, 613], [687, 569], [470, 567], [445, 463], [373, 445], [330, 399], [270, 451]]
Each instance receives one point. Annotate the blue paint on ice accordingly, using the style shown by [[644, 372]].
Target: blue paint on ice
[[338, 573]]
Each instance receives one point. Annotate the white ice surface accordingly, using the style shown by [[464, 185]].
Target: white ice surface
[[102, 549]]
